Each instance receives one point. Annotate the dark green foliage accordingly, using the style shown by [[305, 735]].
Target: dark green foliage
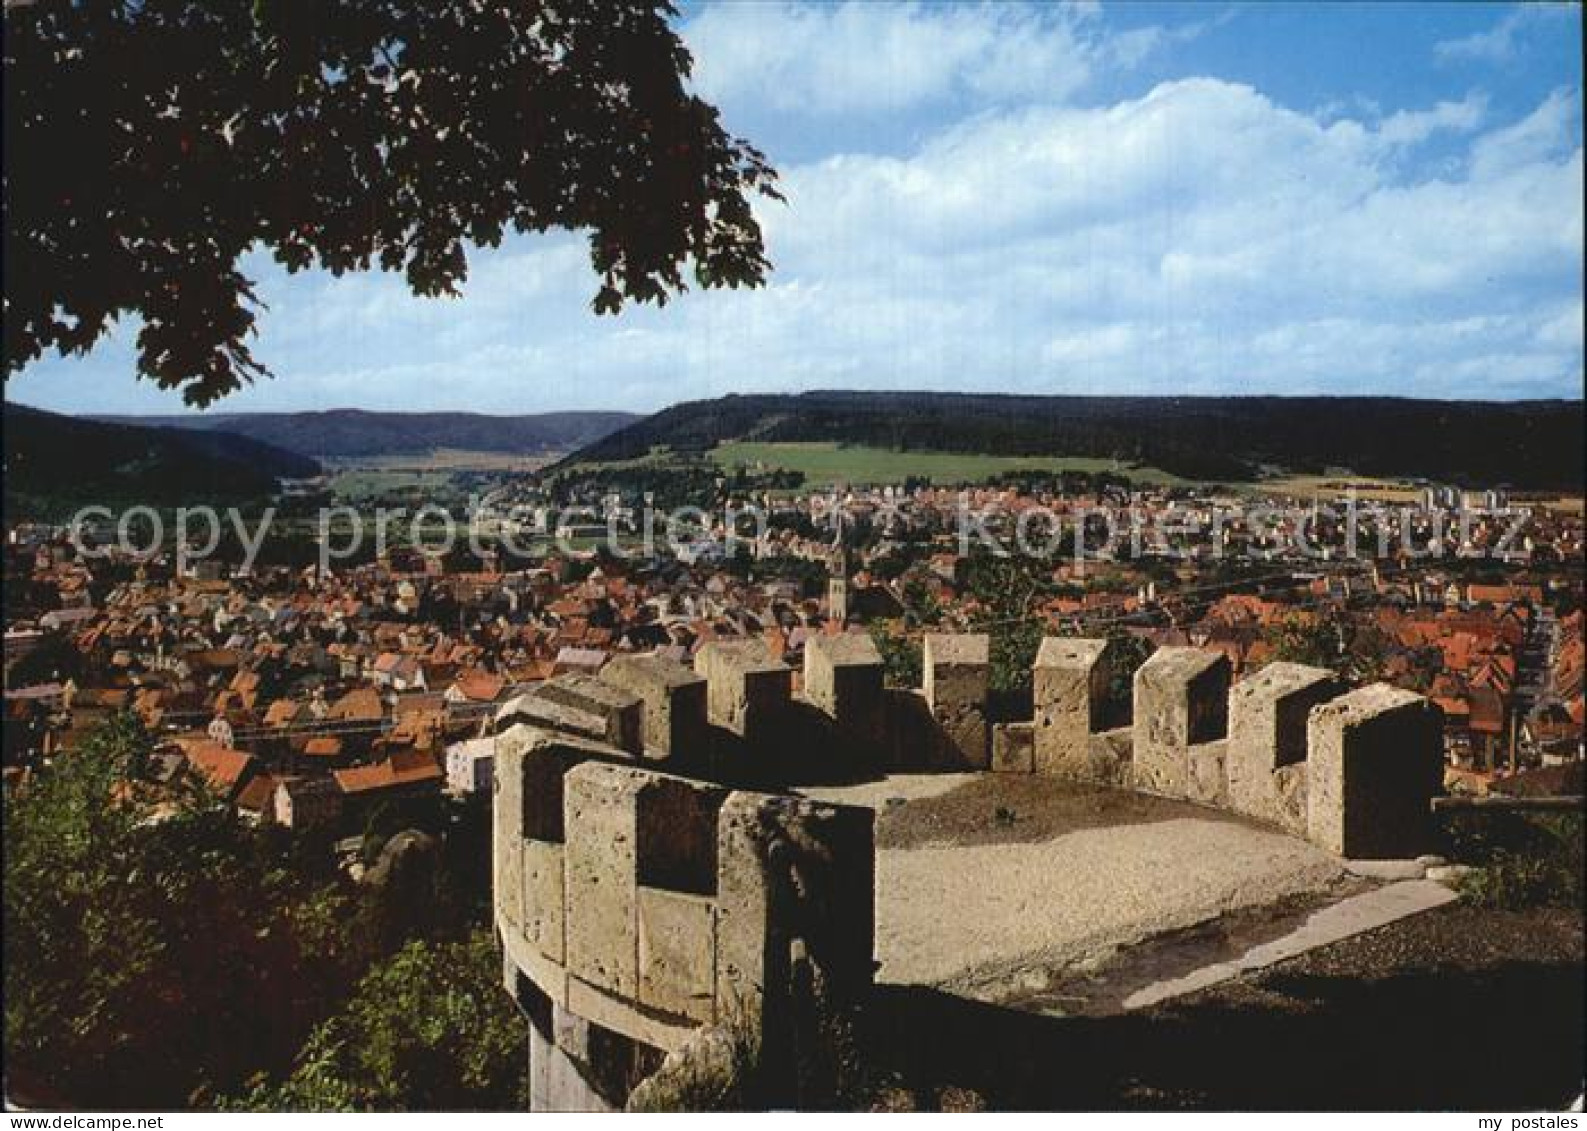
[[1125, 654], [901, 658], [1008, 589], [54, 464], [347, 433], [1528, 444], [668, 487], [54, 659], [1357, 650], [167, 139], [163, 963], [144, 961], [427, 1029], [1522, 859]]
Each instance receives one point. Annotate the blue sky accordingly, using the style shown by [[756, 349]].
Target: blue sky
[[1132, 198]]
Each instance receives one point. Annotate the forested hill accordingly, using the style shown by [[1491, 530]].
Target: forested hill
[[55, 463], [1525, 444], [356, 434]]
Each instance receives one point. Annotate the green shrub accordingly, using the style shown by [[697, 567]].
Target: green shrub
[[1521, 859]]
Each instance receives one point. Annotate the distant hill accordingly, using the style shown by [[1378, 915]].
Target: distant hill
[[347, 433], [1525, 444], [55, 463]]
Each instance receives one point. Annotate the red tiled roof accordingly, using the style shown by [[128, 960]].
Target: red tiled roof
[[257, 795], [220, 765], [479, 686], [360, 705], [404, 768]]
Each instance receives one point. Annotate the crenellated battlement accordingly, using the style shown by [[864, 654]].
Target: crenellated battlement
[[657, 875]]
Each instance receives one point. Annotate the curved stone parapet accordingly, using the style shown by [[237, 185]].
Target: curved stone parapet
[[647, 904], [637, 906]]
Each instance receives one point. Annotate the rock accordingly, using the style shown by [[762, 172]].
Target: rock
[[1386, 869], [1450, 875], [1431, 861]]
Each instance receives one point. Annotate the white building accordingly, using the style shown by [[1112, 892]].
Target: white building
[[471, 766]]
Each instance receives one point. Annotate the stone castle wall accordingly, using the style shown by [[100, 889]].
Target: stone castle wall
[[656, 876]]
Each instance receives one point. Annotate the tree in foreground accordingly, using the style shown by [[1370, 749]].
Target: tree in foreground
[[427, 1029], [150, 956], [150, 144]]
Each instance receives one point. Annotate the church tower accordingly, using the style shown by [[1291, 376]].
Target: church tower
[[838, 577]]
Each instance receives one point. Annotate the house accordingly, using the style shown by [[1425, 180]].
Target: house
[[470, 766], [1489, 723], [224, 770], [475, 686], [256, 801], [408, 772], [586, 660], [302, 803], [220, 731], [323, 749], [398, 671], [360, 705]]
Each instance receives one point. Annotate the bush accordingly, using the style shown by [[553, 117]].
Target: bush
[[430, 1029], [1521, 859]]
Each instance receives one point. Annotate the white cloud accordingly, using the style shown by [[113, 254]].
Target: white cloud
[[870, 57], [1408, 127], [1500, 43], [1554, 128], [1199, 238]]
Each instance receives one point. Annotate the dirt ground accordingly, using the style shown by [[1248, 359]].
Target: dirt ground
[[1457, 1009]]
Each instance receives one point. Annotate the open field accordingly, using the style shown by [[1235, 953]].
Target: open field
[[1366, 488], [446, 459], [1563, 504], [1395, 491], [827, 463]]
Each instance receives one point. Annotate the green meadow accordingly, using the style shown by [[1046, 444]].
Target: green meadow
[[826, 463]]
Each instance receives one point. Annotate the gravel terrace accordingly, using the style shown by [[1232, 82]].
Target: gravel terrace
[[993, 885]]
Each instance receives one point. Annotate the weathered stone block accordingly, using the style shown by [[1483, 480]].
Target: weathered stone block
[[621, 711], [1181, 699], [1267, 731], [534, 710], [601, 804], [1206, 779], [530, 765], [748, 689], [507, 826], [677, 953], [1069, 686], [957, 669], [1375, 760], [543, 901], [571, 1033], [843, 677], [674, 702], [1110, 757], [1289, 791], [1013, 748], [791, 869]]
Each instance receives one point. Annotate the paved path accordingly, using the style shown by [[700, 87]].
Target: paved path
[[1334, 923]]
